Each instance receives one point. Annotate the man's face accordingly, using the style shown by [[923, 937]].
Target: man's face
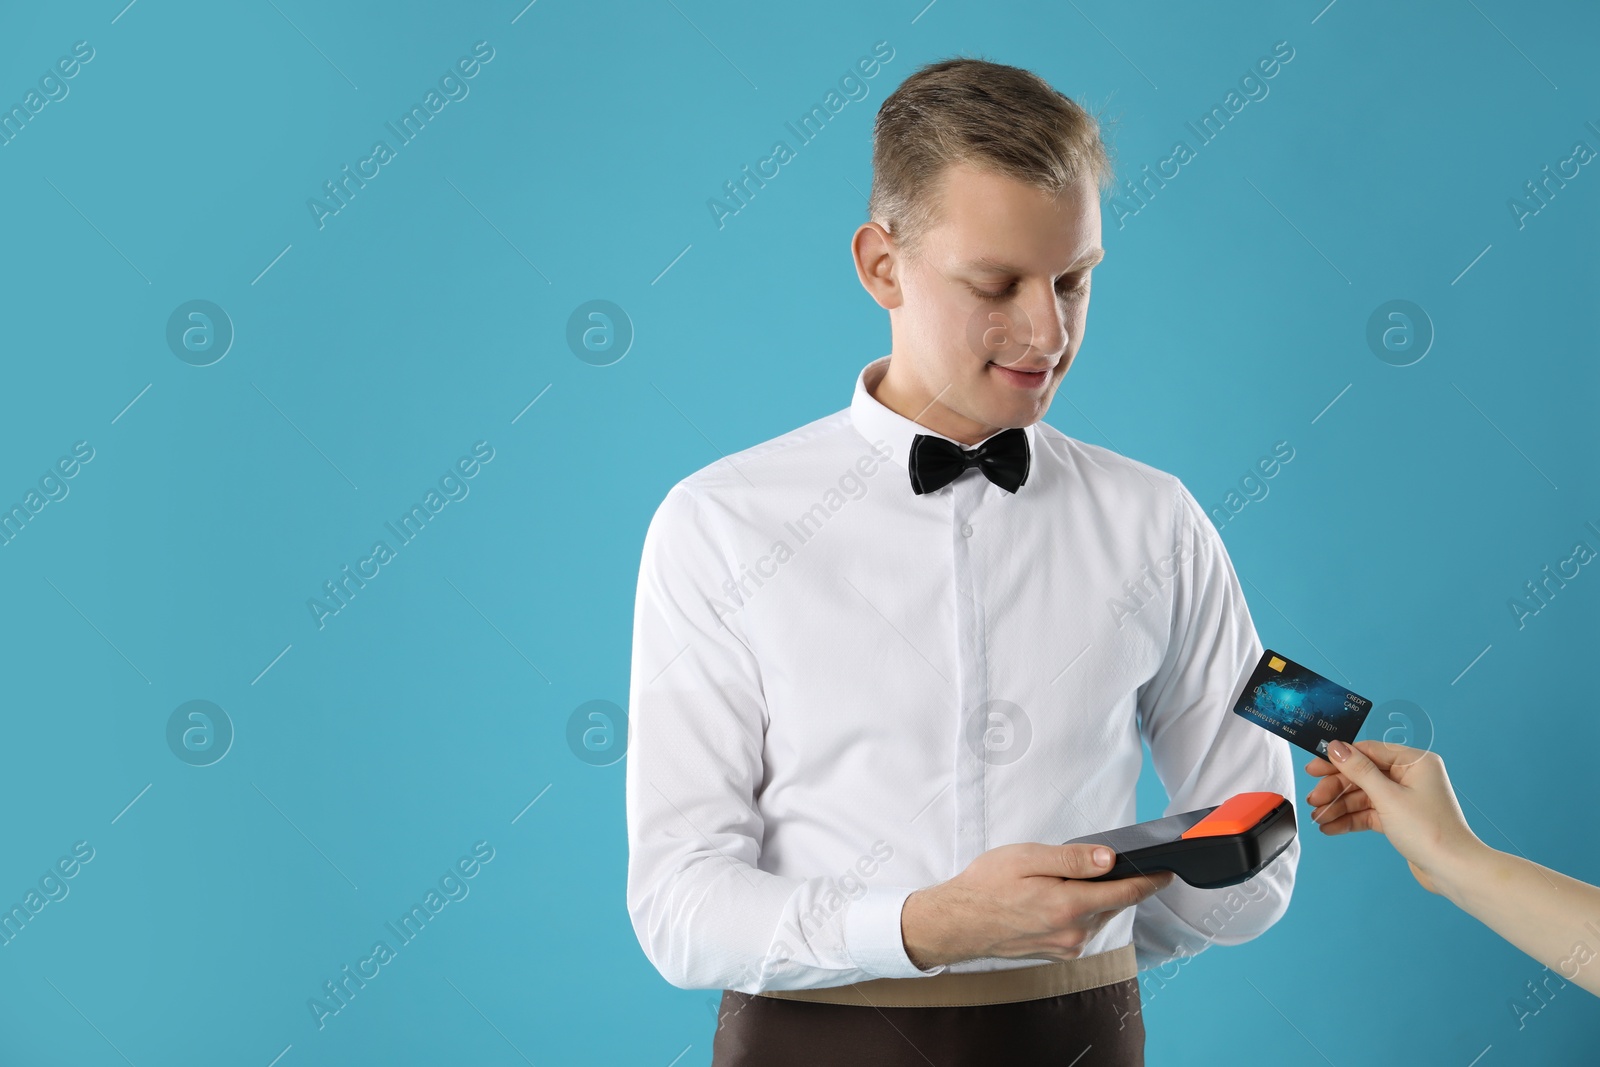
[[995, 301]]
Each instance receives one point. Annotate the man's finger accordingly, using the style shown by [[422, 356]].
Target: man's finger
[[1144, 887], [1092, 898], [1069, 861], [1033, 859]]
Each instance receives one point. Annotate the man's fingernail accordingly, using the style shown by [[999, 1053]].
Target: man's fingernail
[[1102, 857], [1339, 750]]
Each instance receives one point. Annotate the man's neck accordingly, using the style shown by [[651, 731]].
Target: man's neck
[[905, 397]]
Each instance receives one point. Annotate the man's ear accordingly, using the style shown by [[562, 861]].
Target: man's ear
[[879, 262]]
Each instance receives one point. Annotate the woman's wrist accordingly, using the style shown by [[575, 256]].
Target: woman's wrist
[[1463, 871]]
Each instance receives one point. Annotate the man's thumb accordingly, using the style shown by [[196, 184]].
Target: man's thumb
[[1354, 765], [1085, 861]]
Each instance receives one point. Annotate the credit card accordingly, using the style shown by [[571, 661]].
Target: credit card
[[1301, 705]]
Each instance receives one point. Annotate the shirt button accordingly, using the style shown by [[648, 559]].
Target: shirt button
[[966, 530]]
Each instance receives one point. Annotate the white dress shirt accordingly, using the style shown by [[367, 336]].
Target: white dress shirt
[[843, 692]]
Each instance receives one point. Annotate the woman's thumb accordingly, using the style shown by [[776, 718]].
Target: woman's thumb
[[1361, 771]]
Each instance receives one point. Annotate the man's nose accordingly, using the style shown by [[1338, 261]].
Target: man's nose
[[1043, 327]]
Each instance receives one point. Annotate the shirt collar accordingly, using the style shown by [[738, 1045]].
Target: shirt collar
[[877, 423]]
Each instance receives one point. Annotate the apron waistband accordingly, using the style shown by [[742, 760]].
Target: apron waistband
[[967, 988]]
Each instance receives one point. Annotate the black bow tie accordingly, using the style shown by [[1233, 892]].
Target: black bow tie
[[936, 462]]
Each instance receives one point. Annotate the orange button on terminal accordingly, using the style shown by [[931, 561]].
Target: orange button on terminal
[[1236, 815]]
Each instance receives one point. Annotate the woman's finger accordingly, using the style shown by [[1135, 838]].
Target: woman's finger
[[1355, 800], [1365, 819], [1325, 790]]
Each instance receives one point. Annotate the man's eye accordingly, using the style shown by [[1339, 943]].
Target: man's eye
[[1076, 290]]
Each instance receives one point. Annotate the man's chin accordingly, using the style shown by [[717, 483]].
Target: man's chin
[[1011, 414]]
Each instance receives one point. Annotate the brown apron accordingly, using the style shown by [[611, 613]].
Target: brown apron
[[1079, 1013]]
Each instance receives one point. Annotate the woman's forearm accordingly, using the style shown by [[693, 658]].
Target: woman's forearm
[[1553, 918]]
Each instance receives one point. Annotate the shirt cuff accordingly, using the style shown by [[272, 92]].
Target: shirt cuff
[[872, 934]]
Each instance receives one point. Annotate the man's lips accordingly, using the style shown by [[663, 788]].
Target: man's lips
[[1026, 370], [1026, 377]]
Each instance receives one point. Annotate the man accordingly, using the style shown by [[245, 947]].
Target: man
[[878, 673]]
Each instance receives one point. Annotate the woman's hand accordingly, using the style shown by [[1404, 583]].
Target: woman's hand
[[1404, 794]]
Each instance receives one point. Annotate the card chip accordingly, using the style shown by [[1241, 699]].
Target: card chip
[[1300, 705]]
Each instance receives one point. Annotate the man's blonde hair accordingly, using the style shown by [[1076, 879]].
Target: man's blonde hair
[[989, 115]]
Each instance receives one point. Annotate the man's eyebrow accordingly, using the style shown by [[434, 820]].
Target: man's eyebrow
[[1085, 261]]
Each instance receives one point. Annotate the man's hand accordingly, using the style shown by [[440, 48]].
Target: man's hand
[[1404, 794], [1020, 902]]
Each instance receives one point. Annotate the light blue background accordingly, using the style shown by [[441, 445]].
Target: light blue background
[[431, 310]]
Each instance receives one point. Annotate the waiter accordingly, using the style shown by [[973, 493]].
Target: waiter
[[884, 662]]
